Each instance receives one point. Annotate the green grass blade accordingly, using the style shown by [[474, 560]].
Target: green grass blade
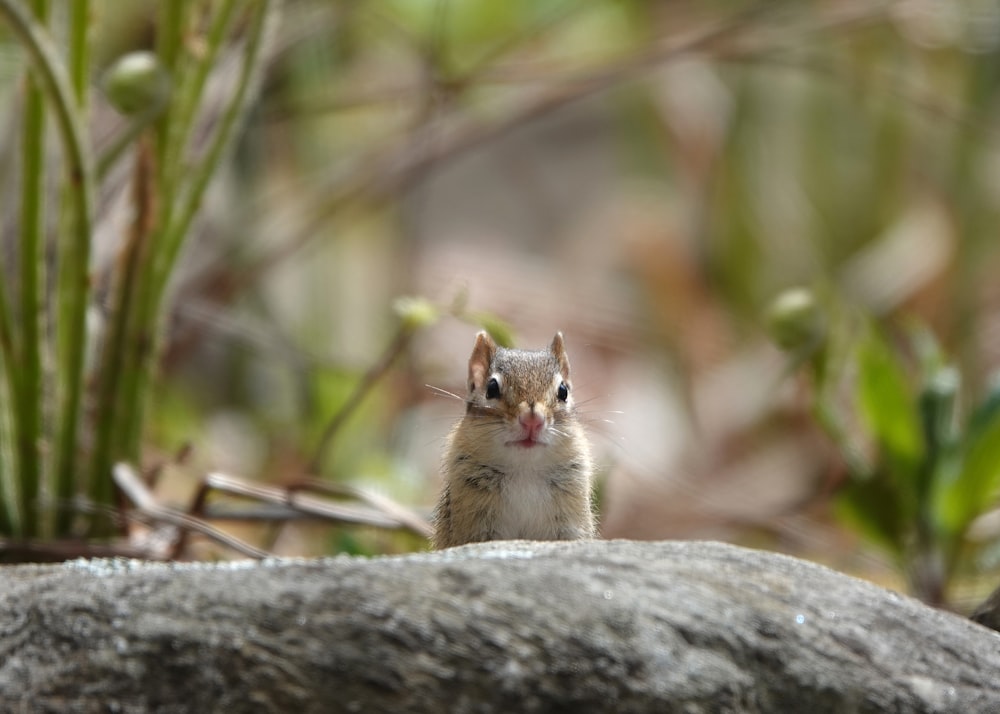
[[29, 397], [74, 287]]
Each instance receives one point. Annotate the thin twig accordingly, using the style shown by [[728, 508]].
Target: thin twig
[[396, 347], [266, 513], [146, 506], [400, 513], [321, 508], [197, 510]]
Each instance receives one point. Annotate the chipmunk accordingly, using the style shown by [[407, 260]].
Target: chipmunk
[[518, 464]]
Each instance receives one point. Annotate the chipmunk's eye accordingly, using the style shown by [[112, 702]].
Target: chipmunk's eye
[[563, 392], [493, 389]]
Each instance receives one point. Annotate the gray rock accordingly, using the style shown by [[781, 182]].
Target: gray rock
[[503, 627], [988, 612]]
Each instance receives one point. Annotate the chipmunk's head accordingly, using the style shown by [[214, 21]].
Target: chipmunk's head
[[524, 394]]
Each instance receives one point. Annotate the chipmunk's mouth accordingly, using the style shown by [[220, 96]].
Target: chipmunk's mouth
[[525, 443]]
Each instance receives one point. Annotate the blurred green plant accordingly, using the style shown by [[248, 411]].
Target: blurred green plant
[[835, 130], [65, 418], [919, 470]]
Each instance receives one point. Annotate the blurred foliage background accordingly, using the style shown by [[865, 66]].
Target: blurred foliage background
[[644, 175]]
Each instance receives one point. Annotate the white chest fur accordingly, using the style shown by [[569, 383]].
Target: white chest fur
[[528, 511]]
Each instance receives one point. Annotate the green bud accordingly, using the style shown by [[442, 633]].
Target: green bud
[[416, 312], [795, 320], [137, 83]]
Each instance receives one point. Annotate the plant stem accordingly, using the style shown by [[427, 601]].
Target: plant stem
[[178, 213], [64, 486], [9, 516], [74, 287], [109, 157], [169, 41], [138, 353], [134, 256], [190, 201], [188, 93], [79, 49], [29, 397]]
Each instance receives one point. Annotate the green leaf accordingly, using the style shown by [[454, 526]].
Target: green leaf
[[975, 486], [871, 506], [987, 410], [888, 408], [937, 403]]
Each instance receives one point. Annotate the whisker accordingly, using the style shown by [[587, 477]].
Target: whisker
[[589, 416], [606, 430], [430, 441], [590, 400], [592, 417], [444, 392], [619, 443]]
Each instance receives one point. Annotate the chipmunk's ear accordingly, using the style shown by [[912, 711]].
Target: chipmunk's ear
[[481, 359], [558, 350]]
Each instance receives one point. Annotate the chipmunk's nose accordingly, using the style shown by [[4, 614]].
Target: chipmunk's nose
[[532, 421]]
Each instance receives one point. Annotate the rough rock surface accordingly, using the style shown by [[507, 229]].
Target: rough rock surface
[[529, 627]]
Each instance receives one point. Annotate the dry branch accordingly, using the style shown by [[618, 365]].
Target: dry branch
[[274, 504]]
